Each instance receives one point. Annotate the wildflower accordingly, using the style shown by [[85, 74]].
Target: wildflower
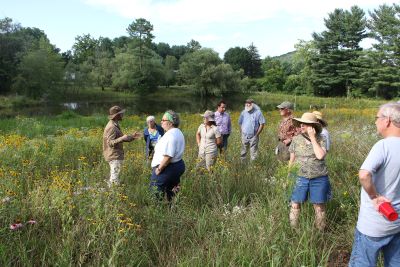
[[31, 222], [16, 226]]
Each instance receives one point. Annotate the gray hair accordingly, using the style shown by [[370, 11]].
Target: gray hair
[[175, 118], [150, 118], [392, 111]]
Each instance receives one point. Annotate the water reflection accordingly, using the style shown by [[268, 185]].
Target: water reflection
[[142, 105]]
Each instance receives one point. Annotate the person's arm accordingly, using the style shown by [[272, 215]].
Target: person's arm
[[198, 137], [164, 163], [259, 130], [291, 160], [229, 124], [318, 150], [240, 122], [112, 139], [261, 121], [365, 178]]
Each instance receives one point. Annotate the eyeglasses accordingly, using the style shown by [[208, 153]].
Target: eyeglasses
[[379, 117]]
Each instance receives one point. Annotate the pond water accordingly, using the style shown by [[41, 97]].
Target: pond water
[[139, 105]]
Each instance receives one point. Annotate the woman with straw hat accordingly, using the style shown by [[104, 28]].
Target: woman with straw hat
[[324, 131], [307, 152], [208, 139]]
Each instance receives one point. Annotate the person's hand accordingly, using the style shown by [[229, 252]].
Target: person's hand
[[286, 142], [157, 171], [126, 138], [378, 201], [136, 135], [311, 132]]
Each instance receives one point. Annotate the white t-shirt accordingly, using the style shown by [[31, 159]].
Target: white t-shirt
[[171, 144], [383, 162]]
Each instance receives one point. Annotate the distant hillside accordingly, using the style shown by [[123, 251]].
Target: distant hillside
[[288, 57]]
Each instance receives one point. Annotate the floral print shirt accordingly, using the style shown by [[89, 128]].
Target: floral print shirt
[[305, 159]]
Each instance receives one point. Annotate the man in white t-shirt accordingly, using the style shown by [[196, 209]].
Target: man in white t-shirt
[[380, 180]]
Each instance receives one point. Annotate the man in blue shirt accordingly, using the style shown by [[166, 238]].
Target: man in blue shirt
[[251, 122]]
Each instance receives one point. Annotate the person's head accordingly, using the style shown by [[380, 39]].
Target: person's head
[[308, 120], [388, 119], [285, 108], [116, 113], [221, 107], [209, 117], [151, 121], [248, 104], [169, 120], [320, 118]]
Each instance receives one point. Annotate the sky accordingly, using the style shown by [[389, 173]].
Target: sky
[[274, 27]]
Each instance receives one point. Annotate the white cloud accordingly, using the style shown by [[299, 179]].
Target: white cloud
[[273, 26], [226, 11]]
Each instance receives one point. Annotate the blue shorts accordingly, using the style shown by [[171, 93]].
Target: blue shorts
[[366, 250], [317, 190]]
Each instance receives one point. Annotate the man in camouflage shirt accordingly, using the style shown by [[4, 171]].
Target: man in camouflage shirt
[[286, 131]]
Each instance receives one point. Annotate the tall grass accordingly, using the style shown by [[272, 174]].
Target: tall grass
[[52, 171]]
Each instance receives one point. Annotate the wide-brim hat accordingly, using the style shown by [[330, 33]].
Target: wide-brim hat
[[320, 118], [308, 118], [209, 115], [114, 111]]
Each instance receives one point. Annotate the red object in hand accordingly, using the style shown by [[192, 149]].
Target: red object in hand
[[388, 211]]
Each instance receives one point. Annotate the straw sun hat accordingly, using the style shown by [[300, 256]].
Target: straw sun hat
[[320, 118], [308, 118]]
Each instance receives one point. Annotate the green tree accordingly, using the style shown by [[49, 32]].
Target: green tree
[[254, 68], [193, 46], [163, 50], [220, 80], [335, 66], [238, 58], [274, 75], [41, 72], [15, 42], [129, 75], [171, 67], [84, 48], [384, 76], [141, 32], [194, 64]]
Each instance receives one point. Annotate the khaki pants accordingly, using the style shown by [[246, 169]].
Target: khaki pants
[[115, 169], [282, 152], [207, 160], [251, 143]]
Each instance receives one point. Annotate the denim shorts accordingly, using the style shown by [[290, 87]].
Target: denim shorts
[[366, 250], [317, 190]]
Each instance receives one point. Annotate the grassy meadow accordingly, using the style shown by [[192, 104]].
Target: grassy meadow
[[52, 171]]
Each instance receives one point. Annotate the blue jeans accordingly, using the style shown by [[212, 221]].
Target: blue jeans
[[165, 182], [366, 250], [318, 190], [224, 144]]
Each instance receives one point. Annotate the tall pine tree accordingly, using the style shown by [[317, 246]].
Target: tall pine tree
[[334, 66]]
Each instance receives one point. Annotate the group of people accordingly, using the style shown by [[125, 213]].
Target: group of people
[[303, 143]]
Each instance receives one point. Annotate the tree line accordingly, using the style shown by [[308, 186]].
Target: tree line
[[333, 63]]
